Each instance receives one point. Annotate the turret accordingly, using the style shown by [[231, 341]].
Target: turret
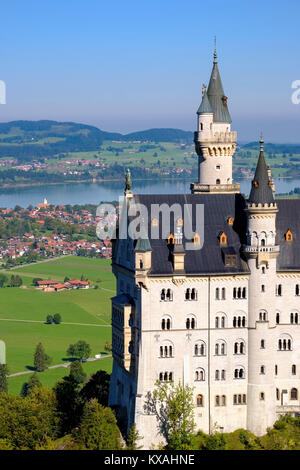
[[261, 253], [215, 143]]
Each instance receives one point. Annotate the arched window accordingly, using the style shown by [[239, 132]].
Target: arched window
[[200, 400], [166, 323], [297, 290], [223, 293], [190, 322], [294, 394], [239, 373], [217, 375], [166, 349], [217, 400], [199, 375], [285, 343], [262, 370], [277, 394], [218, 181], [223, 374], [220, 348], [217, 293], [217, 322], [262, 344], [294, 369], [277, 318], [199, 348]]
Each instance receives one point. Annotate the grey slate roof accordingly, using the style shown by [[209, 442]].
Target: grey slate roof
[[205, 106], [288, 218], [217, 209], [216, 96], [261, 191]]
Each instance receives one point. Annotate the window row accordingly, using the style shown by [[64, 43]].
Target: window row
[[167, 294], [294, 318], [293, 394], [239, 348], [220, 322], [237, 293], [278, 290], [220, 400], [166, 376]]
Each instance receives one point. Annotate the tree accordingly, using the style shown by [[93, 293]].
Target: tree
[[69, 404], [3, 378], [174, 410], [66, 279], [27, 423], [49, 319], [83, 278], [41, 360], [133, 438], [35, 281], [107, 346], [57, 318], [98, 428], [77, 372], [97, 387], [81, 350], [30, 385], [3, 279]]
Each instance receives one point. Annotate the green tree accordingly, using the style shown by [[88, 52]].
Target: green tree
[[97, 387], [66, 279], [133, 438], [81, 350], [49, 319], [3, 378], [69, 404], [3, 279], [77, 372], [57, 318], [41, 360], [98, 428], [174, 410], [30, 385], [27, 423]]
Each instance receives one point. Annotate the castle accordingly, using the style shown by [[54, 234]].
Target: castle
[[224, 318]]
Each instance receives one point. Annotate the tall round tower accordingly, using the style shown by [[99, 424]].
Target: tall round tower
[[261, 252], [215, 143]]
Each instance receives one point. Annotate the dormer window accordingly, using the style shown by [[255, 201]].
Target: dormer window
[[255, 184], [230, 221], [171, 239], [289, 236], [223, 239], [196, 239]]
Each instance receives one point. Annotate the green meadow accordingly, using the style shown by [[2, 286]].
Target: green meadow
[[85, 316]]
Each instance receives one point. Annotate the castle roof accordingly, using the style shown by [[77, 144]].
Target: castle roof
[[208, 259], [218, 208], [216, 96], [205, 106], [261, 191]]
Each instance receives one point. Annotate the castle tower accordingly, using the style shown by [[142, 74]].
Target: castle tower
[[261, 253], [215, 143]]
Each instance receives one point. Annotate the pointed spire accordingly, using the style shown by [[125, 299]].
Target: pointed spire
[[261, 191], [205, 106], [216, 94], [215, 51]]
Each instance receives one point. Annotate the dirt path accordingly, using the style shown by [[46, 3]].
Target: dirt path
[[62, 323], [65, 364]]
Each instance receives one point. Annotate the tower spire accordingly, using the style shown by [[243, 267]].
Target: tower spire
[[215, 51]]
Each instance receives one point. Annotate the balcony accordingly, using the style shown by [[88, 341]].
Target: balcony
[[261, 249], [215, 188], [217, 137]]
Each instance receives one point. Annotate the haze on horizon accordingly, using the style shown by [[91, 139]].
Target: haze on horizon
[[128, 66]]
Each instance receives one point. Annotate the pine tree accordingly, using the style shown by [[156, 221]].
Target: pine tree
[[3, 379], [41, 360], [133, 438], [77, 372], [30, 385]]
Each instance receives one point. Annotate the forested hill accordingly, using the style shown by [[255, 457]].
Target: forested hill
[[29, 140]]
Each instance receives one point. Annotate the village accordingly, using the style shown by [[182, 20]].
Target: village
[[36, 233]]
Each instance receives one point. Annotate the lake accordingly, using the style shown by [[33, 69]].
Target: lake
[[94, 193]]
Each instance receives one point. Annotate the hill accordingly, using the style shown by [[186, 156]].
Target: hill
[[30, 140]]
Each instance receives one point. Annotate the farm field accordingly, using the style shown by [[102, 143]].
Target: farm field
[[85, 316]]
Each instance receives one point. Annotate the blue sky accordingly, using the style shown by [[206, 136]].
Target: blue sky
[[131, 65]]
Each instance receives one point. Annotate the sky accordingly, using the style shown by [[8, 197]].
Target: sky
[[128, 65]]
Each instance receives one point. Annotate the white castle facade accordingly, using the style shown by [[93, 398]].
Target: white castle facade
[[224, 319]]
